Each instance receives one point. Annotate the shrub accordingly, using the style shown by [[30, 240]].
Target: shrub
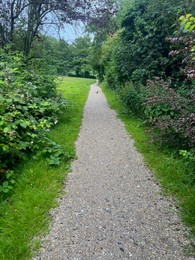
[[171, 114], [133, 98], [139, 76], [29, 106]]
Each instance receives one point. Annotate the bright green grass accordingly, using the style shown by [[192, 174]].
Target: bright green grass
[[24, 215], [171, 172]]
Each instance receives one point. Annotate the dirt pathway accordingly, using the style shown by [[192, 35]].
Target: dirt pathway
[[112, 209]]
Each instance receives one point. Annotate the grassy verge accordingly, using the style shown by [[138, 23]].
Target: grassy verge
[[24, 215], [171, 172]]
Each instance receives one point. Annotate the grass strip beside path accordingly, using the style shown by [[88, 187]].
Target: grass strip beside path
[[171, 172], [24, 215]]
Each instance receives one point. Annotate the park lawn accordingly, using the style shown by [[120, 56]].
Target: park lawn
[[24, 214]]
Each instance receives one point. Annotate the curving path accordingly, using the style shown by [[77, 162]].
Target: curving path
[[112, 208]]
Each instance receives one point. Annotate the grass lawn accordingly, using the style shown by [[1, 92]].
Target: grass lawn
[[173, 174], [24, 215]]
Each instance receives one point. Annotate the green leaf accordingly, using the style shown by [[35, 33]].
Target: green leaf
[[188, 15], [24, 125], [192, 27], [192, 18], [5, 184], [187, 26], [6, 129], [181, 18], [184, 21], [5, 147]]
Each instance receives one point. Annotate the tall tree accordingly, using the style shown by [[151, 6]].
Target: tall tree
[[80, 63]]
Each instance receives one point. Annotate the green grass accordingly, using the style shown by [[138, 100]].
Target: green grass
[[171, 172], [24, 215]]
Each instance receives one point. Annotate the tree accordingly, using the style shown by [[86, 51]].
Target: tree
[[80, 63], [56, 53], [33, 15]]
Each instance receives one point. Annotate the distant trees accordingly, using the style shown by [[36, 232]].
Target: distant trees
[[80, 63], [63, 58]]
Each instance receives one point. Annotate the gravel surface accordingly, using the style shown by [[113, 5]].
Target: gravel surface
[[113, 208]]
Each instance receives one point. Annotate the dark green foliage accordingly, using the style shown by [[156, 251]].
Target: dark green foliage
[[8, 183], [143, 40], [141, 50], [57, 54], [29, 106], [168, 112], [134, 99], [80, 63]]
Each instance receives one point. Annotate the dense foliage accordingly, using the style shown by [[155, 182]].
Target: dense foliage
[[80, 64], [29, 107], [149, 61]]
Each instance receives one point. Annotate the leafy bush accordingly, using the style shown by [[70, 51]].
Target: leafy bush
[[133, 98], [139, 76], [29, 106], [171, 114]]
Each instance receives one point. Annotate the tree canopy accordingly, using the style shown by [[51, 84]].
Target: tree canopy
[[26, 18]]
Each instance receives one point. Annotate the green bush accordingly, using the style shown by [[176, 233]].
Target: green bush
[[134, 99], [139, 76], [171, 115], [29, 107]]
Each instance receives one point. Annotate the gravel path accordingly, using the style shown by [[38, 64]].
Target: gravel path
[[112, 208]]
